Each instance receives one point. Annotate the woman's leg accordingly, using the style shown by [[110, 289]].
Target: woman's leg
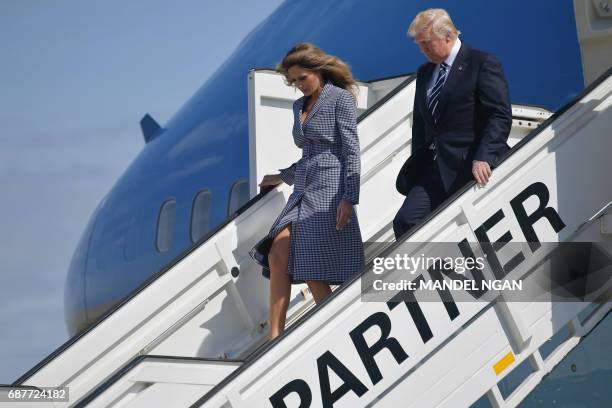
[[320, 290], [280, 284]]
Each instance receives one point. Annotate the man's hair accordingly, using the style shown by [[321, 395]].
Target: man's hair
[[438, 19]]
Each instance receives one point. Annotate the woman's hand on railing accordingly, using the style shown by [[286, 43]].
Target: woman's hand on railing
[[269, 181]]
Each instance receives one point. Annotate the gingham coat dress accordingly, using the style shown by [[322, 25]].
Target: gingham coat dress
[[328, 172]]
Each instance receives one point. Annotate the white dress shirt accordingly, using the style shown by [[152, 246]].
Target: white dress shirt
[[449, 61]]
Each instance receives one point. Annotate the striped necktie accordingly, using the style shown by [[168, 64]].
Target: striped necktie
[[434, 96]]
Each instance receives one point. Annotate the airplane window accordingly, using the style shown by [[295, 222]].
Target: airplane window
[[239, 195], [165, 225], [200, 215]]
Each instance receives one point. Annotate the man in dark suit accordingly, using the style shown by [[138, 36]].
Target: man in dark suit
[[461, 120]]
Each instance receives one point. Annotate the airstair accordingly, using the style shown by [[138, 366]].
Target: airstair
[[194, 334]]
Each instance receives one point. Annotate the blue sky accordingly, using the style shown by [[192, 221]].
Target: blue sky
[[76, 78]]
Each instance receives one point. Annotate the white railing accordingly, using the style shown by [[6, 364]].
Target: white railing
[[198, 308], [464, 354]]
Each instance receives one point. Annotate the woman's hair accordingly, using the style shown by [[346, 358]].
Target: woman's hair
[[311, 57], [438, 19]]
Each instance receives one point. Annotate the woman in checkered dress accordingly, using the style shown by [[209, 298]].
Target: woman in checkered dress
[[316, 238]]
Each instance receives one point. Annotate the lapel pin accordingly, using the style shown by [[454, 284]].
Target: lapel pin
[[460, 67]]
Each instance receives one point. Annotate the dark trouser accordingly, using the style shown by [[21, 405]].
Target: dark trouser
[[427, 194]]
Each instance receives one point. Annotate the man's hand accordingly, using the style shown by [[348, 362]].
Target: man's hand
[[343, 213], [270, 181], [481, 171]]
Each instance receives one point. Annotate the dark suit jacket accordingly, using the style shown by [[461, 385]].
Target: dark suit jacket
[[474, 122]]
